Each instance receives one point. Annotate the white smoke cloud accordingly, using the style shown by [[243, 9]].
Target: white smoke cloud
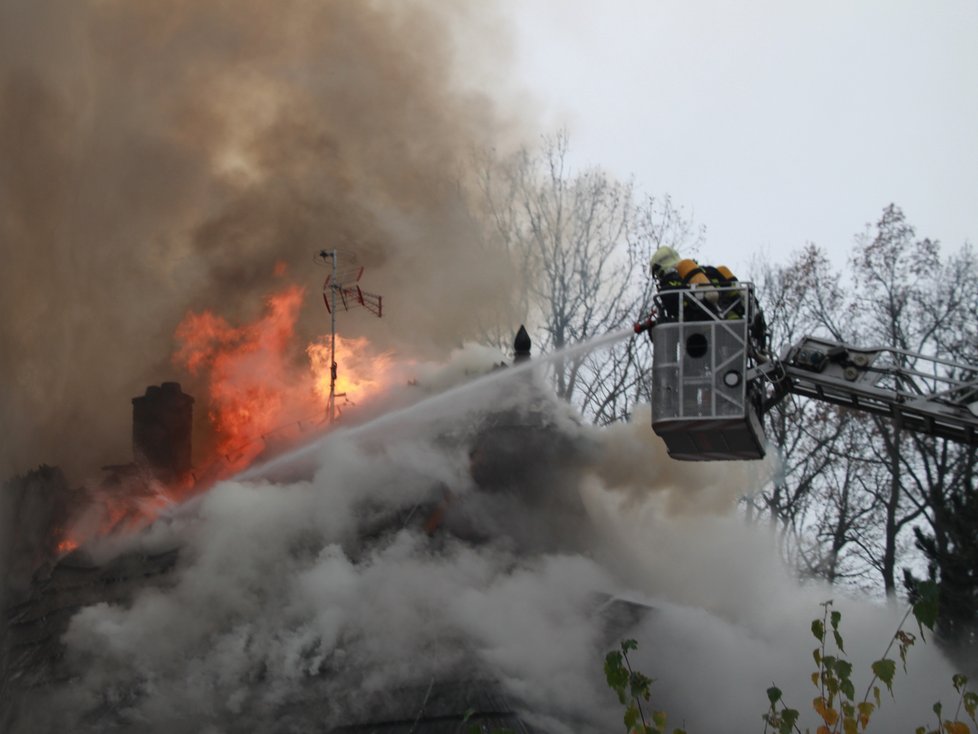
[[311, 599]]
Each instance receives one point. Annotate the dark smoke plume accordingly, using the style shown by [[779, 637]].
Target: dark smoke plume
[[162, 156]]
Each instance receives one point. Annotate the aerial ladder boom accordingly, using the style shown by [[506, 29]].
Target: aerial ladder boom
[[920, 393], [713, 378]]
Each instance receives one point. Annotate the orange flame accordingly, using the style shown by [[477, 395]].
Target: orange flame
[[124, 502], [66, 546], [256, 391], [361, 372]]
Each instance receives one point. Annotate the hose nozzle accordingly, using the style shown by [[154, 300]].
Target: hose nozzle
[[642, 326]]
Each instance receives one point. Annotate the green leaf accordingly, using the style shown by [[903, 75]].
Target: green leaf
[[616, 674], [937, 708], [843, 668], [659, 719], [631, 717], [876, 695], [773, 694], [833, 685], [848, 689], [835, 618], [627, 645], [789, 717], [959, 681], [838, 640], [926, 606], [970, 699], [818, 629], [639, 685], [885, 669]]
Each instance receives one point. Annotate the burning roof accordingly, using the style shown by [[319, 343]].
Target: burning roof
[[378, 576], [484, 519]]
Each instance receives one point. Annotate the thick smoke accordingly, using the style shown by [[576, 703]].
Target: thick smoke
[[314, 598], [163, 156]]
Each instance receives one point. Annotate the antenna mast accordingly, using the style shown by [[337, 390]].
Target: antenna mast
[[331, 404], [342, 284]]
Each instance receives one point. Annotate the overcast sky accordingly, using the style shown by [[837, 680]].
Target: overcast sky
[[777, 122]]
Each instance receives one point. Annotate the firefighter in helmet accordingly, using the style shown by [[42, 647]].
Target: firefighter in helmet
[[668, 281], [673, 273]]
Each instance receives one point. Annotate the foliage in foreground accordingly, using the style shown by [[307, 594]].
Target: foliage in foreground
[[632, 688], [837, 707]]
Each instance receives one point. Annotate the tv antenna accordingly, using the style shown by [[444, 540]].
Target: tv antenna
[[341, 289]]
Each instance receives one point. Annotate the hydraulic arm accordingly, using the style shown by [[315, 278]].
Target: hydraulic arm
[[920, 393]]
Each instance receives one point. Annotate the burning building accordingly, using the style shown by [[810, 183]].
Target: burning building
[[463, 558], [167, 165], [483, 494]]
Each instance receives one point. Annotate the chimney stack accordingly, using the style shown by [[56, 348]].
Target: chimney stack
[[162, 424]]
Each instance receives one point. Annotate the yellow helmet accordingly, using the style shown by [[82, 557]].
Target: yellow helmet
[[663, 259]]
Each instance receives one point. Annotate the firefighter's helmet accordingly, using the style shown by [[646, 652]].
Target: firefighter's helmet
[[663, 259]]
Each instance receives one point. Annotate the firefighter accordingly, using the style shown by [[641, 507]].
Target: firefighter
[[728, 304], [733, 304], [662, 266], [673, 273]]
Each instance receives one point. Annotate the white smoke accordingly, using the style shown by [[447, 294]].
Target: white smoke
[[310, 599]]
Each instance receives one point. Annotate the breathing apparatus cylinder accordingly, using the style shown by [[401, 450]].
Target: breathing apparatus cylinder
[[727, 273], [693, 276], [689, 271]]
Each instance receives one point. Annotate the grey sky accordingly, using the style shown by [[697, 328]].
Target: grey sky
[[776, 122]]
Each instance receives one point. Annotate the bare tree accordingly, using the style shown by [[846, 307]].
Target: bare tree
[[813, 500], [853, 487], [581, 242]]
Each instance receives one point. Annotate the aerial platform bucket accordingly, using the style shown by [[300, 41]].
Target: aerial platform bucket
[[701, 405]]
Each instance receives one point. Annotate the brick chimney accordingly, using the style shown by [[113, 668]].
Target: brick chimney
[[162, 424]]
